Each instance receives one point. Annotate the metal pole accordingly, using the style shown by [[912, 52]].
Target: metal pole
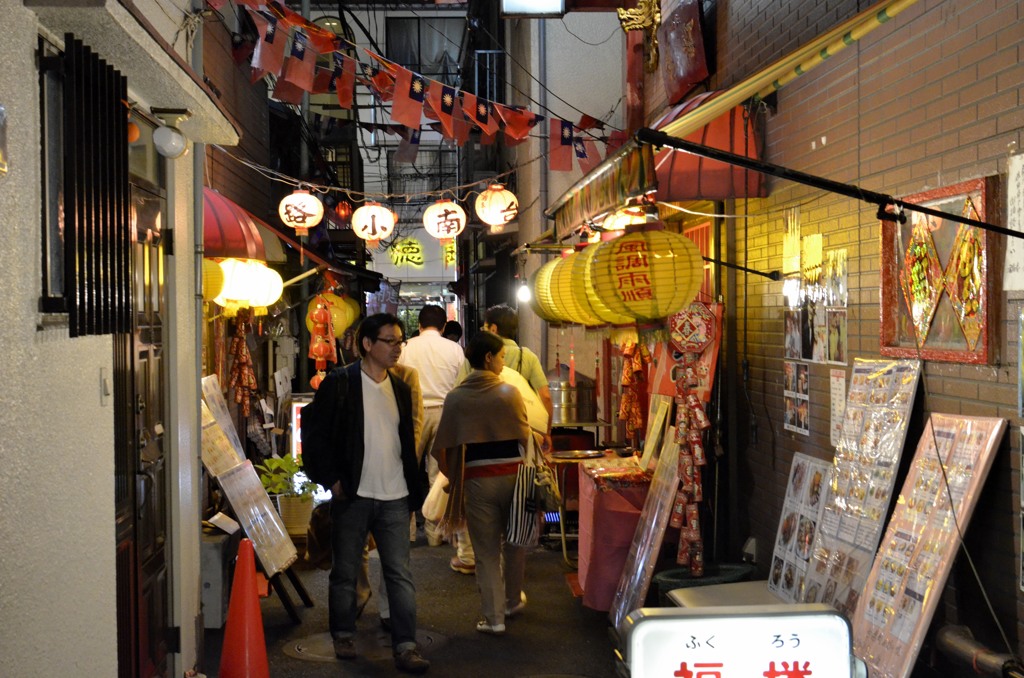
[[658, 138]]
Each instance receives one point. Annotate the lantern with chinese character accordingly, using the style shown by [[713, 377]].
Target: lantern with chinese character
[[373, 222], [648, 273], [301, 210], [444, 220], [583, 289], [542, 302], [496, 206], [562, 293]]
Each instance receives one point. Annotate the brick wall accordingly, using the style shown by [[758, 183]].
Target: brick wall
[[931, 98]]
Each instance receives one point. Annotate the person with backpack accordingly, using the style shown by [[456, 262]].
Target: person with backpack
[[361, 443]]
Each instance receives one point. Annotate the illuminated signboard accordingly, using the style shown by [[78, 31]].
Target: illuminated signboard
[[407, 252], [774, 641]]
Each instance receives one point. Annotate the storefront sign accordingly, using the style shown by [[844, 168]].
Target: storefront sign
[[775, 641], [408, 252]]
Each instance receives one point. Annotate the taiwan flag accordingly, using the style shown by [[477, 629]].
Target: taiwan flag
[[442, 100], [268, 56], [518, 121], [407, 108], [344, 79], [560, 148], [301, 65], [586, 153], [478, 111]]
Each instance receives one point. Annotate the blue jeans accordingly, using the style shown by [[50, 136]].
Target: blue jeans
[[351, 521]]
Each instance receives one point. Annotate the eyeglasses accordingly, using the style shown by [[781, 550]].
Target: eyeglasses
[[397, 341]]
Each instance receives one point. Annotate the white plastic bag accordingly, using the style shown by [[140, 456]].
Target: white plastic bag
[[437, 499]]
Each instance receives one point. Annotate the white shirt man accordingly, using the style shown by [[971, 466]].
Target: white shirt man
[[437, 360]]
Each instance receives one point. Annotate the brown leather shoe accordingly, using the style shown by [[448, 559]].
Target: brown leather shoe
[[411, 661]]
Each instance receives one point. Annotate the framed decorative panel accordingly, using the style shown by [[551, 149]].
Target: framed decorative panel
[[937, 279]]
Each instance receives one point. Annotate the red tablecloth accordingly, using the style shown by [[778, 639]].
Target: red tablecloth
[[608, 516]]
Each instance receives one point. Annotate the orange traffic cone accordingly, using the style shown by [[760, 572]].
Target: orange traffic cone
[[244, 654]]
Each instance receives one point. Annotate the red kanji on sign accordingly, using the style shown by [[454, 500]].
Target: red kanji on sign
[[787, 672], [699, 671]]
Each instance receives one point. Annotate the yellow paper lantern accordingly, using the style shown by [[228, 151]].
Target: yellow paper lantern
[[354, 309], [300, 210], [341, 312], [627, 216], [647, 274], [213, 279], [542, 302], [496, 206], [585, 294], [562, 292], [444, 220], [373, 222]]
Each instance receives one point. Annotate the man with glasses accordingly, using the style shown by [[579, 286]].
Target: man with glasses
[[376, 485]]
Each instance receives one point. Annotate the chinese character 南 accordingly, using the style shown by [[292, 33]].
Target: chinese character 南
[[788, 671], [449, 223], [700, 670]]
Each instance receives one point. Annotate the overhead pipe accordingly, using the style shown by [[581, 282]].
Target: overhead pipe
[[958, 643]]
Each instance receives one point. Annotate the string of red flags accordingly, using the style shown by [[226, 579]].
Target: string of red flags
[[287, 48]]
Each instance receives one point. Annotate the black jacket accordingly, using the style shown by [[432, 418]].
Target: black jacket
[[342, 393]]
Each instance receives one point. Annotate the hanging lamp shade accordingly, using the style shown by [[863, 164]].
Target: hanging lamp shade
[[584, 293], [496, 205], [300, 210], [373, 222], [444, 220], [648, 273], [565, 301], [542, 302]]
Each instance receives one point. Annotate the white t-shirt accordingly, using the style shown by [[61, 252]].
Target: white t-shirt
[[382, 477], [437, 360]]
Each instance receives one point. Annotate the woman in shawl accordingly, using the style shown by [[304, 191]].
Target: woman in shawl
[[478, 447]]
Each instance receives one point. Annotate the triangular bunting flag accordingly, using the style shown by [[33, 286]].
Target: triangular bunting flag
[[560, 150], [410, 88], [299, 68]]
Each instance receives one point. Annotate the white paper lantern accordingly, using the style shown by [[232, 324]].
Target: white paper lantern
[[497, 205], [444, 220], [373, 222], [301, 210]]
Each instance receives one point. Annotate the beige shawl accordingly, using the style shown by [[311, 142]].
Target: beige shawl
[[481, 409]]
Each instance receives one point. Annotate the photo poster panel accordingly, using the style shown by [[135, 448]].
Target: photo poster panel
[[219, 456], [213, 396], [874, 433], [912, 565], [796, 397], [801, 514], [258, 518], [650, 530]]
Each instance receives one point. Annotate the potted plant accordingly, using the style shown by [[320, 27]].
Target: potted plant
[[293, 492]]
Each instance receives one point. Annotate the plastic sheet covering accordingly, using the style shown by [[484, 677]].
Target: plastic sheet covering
[[213, 396], [898, 600], [639, 567], [219, 455], [843, 545], [258, 518]]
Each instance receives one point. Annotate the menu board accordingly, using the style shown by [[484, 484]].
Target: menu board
[[910, 570], [258, 518], [801, 514], [864, 475]]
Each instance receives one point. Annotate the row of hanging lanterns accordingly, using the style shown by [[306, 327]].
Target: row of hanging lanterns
[[643, 276], [496, 206]]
